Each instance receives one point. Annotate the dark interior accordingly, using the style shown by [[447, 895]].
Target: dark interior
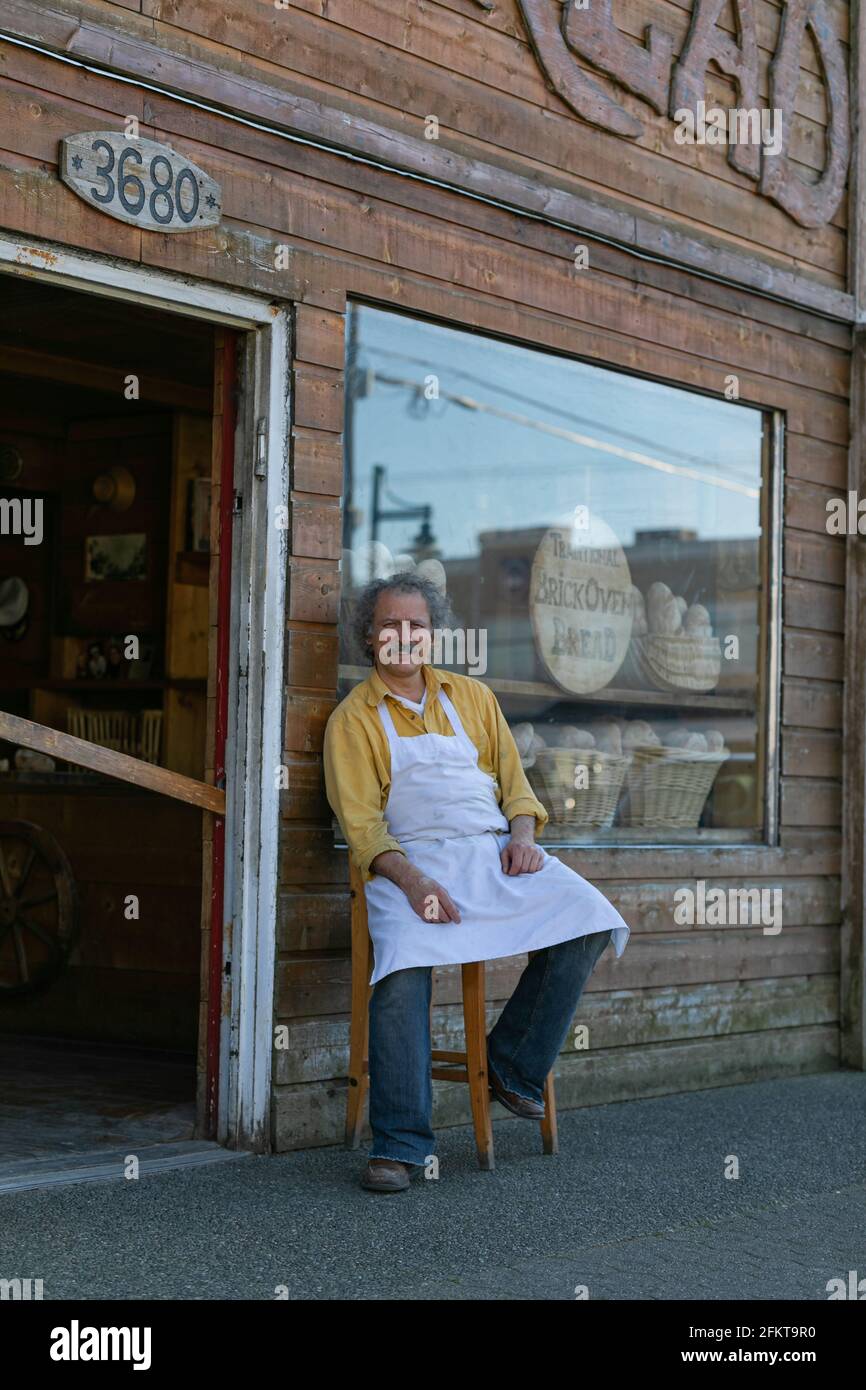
[[99, 962]]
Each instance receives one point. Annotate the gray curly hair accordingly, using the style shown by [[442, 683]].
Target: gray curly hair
[[406, 582]]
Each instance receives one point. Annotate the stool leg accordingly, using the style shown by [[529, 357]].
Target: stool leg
[[549, 1135], [359, 1024], [475, 1028]]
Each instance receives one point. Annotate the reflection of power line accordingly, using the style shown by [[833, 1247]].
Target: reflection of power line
[[587, 441], [504, 470], [401, 502], [530, 400]]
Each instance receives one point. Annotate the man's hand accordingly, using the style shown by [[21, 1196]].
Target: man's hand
[[521, 859], [521, 855], [427, 897]]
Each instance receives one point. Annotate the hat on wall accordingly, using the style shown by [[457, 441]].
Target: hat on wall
[[14, 604]]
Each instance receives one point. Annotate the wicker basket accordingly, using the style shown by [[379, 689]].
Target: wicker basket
[[551, 777], [668, 787], [125, 731], [671, 662]]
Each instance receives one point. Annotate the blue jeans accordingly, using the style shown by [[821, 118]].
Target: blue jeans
[[522, 1046]]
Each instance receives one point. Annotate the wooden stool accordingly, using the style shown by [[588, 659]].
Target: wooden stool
[[469, 1066]]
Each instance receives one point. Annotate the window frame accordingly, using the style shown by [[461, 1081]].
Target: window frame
[[770, 618]]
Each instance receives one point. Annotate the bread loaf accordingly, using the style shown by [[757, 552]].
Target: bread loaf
[[697, 621], [638, 612], [523, 735], [686, 739], [568, 736], [608, 738], [434, 570], [663, 611], [640, 734]]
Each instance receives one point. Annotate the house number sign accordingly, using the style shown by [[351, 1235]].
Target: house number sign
[[142, 182]]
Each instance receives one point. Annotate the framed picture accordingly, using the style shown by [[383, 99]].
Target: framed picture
[[98, 658], [115, 557]]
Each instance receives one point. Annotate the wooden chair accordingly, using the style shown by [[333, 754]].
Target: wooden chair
[[469, 1066]]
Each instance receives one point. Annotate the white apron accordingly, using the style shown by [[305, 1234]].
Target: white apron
[[443, 810]]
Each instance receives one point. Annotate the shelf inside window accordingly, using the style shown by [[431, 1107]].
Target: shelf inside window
[[610, 695]]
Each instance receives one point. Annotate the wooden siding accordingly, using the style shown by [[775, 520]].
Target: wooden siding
[[476, 72], [367, 75], [683, 1008]]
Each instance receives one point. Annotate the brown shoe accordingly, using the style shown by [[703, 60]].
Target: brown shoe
[[518, 1105], [389, 1174]]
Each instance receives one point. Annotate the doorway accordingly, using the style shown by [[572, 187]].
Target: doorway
[[109, 572], [118, 627]]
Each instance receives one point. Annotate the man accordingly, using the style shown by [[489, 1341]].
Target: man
[[424, 776]]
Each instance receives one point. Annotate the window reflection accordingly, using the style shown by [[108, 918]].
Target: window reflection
[[603, 533]]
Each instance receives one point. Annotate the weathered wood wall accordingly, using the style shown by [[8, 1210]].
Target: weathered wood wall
[[476, 72], [683, 1008]]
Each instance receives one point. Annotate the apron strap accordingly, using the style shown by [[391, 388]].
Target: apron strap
[[457, 726], [450, 713]]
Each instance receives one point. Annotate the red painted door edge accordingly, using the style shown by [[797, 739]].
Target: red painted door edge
[[215, 964]]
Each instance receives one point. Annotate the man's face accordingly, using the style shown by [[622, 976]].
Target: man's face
[[401, 632]]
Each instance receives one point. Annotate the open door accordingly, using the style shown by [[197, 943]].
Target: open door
[[114, 664], [21, 937]]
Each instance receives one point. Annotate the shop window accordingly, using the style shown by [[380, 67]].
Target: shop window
[[603, 540]]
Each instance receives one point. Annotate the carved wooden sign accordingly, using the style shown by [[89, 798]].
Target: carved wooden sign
[[140, 181], [580, 604], [585, 30]]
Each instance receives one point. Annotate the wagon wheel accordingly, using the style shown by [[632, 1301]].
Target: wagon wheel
[[38, 909]]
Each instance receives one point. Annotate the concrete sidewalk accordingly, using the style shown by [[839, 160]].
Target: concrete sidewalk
[[635, 1206]]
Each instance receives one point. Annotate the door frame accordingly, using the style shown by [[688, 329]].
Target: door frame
[[259, 550]]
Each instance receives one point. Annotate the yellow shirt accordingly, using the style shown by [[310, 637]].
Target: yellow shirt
[[358, 758]]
